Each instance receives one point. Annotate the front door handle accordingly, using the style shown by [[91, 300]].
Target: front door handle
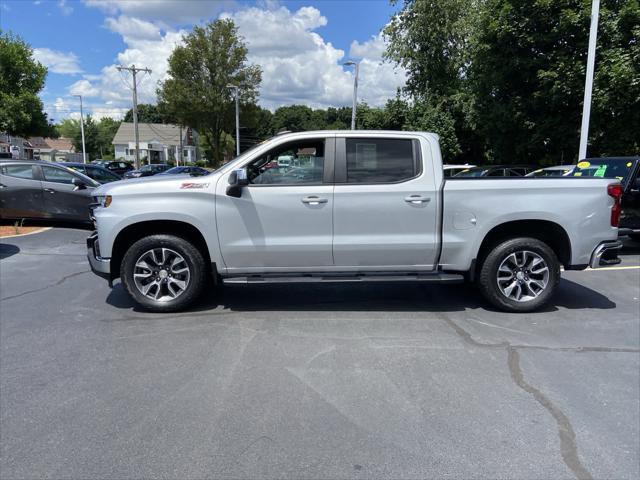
[[416, 199], [49, 190], [314, 200]]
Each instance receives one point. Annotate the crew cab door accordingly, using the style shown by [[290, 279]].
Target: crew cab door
[[385, 205], [282, 220]]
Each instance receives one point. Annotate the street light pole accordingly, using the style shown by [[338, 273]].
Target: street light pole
[[355, 92], [84, 153], [588, 85], [236, 94]]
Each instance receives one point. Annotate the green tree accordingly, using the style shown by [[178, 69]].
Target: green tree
[[91, 139], [21, 79], [529, 71], [107, 128], [196, 92], [68, 127], [148, 113]]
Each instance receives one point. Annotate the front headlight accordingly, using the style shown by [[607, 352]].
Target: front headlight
[[103, 200]]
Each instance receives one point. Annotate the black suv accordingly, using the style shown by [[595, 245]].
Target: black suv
[[147, 170], [97, 172], [116, 166]]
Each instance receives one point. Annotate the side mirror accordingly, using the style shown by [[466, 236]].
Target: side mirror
[[237, 180], [78, 184]]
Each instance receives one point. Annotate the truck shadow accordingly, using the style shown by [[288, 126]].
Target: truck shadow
[[7, 250], [376, 297]]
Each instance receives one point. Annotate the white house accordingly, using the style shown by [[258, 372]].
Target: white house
[[159, 143]]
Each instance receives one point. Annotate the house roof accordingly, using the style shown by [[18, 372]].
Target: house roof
[[52, 143], [165, 133]]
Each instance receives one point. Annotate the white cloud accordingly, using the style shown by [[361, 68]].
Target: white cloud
[[58, 62], [65, 8], [299, 65], [170, 11], [84, 88]]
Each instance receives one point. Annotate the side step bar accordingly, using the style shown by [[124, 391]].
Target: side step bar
[[268, 279]]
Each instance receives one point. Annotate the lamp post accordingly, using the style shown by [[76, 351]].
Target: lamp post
[[84, 154], [236, 95], [588, 84], [355, 91]]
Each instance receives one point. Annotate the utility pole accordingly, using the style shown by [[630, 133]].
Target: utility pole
[[236, 94], [84, 153], [588, 84], [134, 71], [181, 147], [355, 92]]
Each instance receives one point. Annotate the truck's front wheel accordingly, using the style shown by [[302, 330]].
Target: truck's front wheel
[[519, 275], [163, 273]]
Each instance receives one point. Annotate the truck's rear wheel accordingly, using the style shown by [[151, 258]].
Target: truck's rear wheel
[[519, 275], [163, 273]]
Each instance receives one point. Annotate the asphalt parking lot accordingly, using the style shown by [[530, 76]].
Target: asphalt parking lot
[[307, 381]]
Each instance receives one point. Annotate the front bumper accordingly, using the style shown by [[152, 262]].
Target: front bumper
[[99, 265], [606, 254]]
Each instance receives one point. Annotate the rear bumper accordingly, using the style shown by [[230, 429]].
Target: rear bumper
[[99, 265], [606, 254]]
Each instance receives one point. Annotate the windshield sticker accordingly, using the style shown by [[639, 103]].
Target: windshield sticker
[[577, 174], [620, 178], [600, 171], [629, 164], [583, 165], [194, 185]]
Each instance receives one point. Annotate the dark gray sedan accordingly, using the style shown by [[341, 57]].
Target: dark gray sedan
[[41, 190]]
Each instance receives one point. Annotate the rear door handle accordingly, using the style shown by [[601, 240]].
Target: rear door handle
[[314, 200], [49, 190], [417, 199]]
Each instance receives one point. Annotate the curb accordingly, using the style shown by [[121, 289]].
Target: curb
[[43, 229]]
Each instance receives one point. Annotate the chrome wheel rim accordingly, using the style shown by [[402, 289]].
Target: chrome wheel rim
[[161, 274], [523, 276]]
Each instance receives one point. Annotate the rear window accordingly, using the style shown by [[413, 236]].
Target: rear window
[[18, 171], [372, 160]]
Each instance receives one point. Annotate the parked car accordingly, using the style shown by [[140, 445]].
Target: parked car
[[557, 171], [147, 170], [118, 167], [625, 169], [41, 190], [195, 171], [451, 170], [497, 171], [98, 173], [378, 211]]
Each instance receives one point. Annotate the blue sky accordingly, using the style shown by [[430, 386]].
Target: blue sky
[[300, 45]]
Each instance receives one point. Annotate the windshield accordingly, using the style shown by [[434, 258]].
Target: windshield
[[620, 168]]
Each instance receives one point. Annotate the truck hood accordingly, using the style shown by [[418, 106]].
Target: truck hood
[[157, 184]]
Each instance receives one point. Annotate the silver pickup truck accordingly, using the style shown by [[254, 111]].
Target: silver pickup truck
[[350, 206]]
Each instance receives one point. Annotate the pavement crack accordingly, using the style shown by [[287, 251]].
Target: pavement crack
[[63, 279], [568, 445]]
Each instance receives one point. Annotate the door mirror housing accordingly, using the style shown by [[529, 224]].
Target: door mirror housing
[[78, 184], [237, 180]]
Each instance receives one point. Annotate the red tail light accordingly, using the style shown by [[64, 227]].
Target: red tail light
[[615, 191]]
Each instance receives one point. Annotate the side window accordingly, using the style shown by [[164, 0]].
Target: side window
[[57, 175], [294, 163], [18, 171], [102, 176], [498, 172], [382, 160]]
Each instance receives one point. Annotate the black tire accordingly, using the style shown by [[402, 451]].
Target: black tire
[[488, 277], [192, 258]]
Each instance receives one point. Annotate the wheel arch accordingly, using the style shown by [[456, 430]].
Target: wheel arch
[[135, 231], [546, 231]]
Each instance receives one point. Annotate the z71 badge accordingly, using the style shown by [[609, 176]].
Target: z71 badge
[[194, 185]]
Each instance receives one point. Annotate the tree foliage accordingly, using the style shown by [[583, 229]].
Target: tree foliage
[[148, 113], [503, 80], [98, 136], [197, 93], [21, 79]]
